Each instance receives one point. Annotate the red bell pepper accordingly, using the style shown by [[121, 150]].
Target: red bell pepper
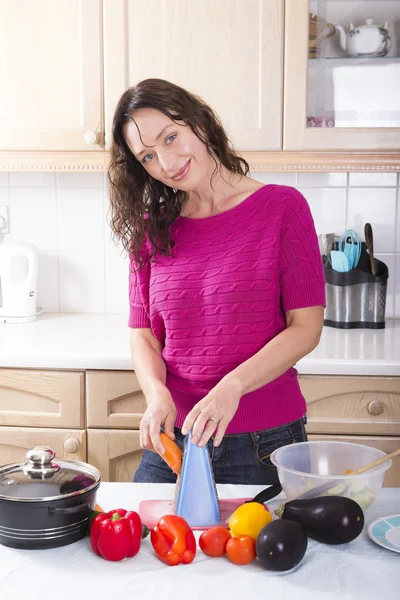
[[173, 540], [116, 534]]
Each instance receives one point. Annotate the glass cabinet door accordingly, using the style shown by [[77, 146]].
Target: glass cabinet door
[[342, 79]]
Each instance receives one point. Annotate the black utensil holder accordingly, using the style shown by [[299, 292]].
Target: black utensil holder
[[356, 299]]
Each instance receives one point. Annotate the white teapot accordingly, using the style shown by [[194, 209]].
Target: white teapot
[[365, 40]]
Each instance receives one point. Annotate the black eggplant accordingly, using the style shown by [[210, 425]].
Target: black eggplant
[[281, 545], [327, 519]]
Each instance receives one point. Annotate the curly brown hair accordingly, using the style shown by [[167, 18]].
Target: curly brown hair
[[132, 191]]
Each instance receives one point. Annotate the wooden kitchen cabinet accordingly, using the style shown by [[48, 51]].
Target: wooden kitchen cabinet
[[330, 87], [385, 443], [114, 399], [229, 52], [51, 76], [66, 443], [116, 453], [352, 405], [32, 398]]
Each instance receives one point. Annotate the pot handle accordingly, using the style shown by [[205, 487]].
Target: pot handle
[[68, 511]]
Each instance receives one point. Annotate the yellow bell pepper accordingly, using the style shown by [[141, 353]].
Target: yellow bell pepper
[[249, 519]]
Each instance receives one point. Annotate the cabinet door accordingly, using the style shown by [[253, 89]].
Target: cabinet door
[[352, 405], [332, 100], [116, 454], [50, 71], [229, 52], [41, 398], [16, 441], [114, 399], [386, 444]]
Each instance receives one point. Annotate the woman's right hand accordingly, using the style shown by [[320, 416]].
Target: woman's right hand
[[160, 412]]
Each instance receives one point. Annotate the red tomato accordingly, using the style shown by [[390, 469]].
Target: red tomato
[[241, 550], [213, 541]]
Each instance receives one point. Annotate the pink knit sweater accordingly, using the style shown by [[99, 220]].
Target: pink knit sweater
[[222, 296]]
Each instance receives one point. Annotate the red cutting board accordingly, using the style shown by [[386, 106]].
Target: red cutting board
[[151, 511]]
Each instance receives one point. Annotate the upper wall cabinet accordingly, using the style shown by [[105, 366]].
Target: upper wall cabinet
[[51, 75], [229, 52], [342, 75]]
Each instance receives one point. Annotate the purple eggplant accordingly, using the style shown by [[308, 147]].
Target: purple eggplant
[[327, 519], [281, 545]]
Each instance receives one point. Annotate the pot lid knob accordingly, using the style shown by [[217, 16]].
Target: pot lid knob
[[40, 465]]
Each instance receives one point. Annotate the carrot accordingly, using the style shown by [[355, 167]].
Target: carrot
[[172, 455]]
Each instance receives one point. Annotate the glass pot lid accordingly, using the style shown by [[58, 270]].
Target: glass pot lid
[[42, 478]]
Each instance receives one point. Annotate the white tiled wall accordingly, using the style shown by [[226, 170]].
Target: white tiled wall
[[82, 270]]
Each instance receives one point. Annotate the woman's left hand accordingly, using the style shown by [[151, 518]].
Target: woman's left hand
[[214, 412]]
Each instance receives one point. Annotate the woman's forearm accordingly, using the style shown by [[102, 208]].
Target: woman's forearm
[[147, 362], [274, 359]]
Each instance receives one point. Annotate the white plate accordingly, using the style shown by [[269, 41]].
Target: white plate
[[385, 531]]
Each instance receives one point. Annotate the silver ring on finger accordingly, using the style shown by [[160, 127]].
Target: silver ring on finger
[[212, 419]]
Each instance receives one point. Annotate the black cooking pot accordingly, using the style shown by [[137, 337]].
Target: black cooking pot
[[44, 504]]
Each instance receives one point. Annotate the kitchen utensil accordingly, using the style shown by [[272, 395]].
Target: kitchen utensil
[[356, 299], [385, 531], [339, 261], [196, 497], [350, 243], [46, 504], [151, 511], [369, 240], [18, 276], [305, 466], [365, 40]]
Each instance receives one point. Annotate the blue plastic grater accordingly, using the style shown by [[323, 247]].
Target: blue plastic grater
[[196, 497]]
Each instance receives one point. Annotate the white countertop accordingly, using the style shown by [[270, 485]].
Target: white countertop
[[360, 570], [101, 341]]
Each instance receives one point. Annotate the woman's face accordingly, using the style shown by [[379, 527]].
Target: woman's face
[[169, 152]]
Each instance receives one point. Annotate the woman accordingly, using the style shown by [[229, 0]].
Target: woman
[[226, 286]]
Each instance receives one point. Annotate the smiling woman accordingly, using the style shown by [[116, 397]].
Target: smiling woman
[[226, 286]]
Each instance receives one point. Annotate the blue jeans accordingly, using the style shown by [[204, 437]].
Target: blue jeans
[[240, 459]]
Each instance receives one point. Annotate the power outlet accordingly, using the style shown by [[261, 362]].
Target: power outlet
[[3, 219]]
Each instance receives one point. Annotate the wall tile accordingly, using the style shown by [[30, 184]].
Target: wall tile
[[4, 196], [47, 283], [397, 241], [81, 282], [117, 270], [322, 179], [328, 208], [32, 180], [33, 216], [4, 179], [80, 223], [80, 180], [378, 208], [277, 178], [373, 179], [389, 260], [397, 287]]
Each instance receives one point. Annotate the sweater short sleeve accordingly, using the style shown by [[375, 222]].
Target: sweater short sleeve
[[139, 281], [302, 280]]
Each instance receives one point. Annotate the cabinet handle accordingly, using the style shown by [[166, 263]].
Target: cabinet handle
[[376, 407], [91, 138], [71, 445]]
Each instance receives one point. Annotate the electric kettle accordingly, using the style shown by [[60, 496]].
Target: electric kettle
[[18, 277]]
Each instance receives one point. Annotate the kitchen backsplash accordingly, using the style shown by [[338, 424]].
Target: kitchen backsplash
[[82, 270]]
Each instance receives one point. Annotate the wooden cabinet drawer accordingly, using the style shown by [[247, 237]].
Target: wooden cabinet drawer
[[16, 441], [352, 405], [32, 398], [116, 454], [387, 444], [114, 399]]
